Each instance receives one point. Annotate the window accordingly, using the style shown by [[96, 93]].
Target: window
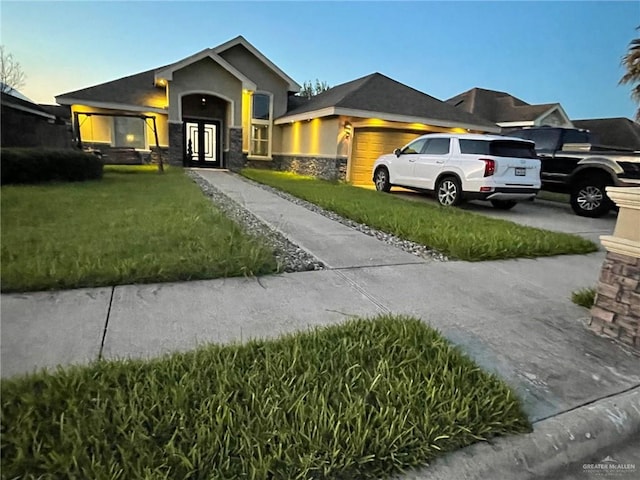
[[414, 147], [128, 132], [260, 125], [437, 146], [499, 148]]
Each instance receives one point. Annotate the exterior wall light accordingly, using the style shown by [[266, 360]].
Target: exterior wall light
[[347, 130]]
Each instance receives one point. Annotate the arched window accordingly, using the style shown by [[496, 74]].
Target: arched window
[[260, 125]]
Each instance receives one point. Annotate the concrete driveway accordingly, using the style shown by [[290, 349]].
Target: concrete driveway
[[554, 216]]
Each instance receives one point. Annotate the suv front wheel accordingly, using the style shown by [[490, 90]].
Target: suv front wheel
[[381, 179], [449, 192]]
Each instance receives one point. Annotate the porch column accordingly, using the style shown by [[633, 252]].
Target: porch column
[[616, 312]]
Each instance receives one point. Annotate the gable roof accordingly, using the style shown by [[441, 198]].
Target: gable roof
[[167, 72], [613, 132], [240, 40], [136, 90], [379, 96], [139, 91], [499, 107]]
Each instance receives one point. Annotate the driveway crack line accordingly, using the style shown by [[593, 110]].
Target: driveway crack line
[[363, 292], [106, 323]]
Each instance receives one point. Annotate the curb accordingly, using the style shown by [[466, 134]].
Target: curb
[[565, 439]]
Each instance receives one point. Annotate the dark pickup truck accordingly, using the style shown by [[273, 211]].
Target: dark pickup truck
[[573, 163]]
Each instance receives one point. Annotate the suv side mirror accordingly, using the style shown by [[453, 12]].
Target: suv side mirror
[[397, 152]]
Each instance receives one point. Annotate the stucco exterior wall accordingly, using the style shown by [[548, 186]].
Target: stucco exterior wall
[[98, 129], [317, 137], [206, 76], [266, 80]]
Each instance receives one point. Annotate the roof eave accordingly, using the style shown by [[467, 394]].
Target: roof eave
[[392, 117], [109, 105]]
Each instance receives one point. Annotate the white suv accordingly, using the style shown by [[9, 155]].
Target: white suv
[[461, 167]]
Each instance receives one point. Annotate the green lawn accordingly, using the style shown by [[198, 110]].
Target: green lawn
[[454, 232], [133, 226], [358, 400]]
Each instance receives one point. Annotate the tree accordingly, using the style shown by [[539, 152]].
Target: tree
[[309, 89], [631, 62], [11, 74]]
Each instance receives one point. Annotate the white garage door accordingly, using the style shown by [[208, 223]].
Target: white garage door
[[368, 145]]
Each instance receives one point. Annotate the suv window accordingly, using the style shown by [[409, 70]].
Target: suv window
[[437, 146], [510, 148], [498, 148], [414, 147]]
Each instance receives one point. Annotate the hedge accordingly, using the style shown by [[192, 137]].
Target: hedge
[[36, 165]]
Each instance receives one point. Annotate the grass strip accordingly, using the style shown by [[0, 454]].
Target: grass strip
[[454, 232], [364, 399], [133, 226]]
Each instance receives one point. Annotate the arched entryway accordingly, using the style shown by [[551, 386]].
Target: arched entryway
[[204, 123]]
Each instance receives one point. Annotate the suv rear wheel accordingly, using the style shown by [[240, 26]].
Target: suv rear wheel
[[449, 192], [589, 197]]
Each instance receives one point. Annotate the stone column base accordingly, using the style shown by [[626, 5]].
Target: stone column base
[[616, 312]]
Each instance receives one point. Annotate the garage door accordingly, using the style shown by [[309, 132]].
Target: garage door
[[368, 145]]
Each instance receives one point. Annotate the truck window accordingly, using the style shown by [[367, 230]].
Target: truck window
[[547, 139], [576, 136]]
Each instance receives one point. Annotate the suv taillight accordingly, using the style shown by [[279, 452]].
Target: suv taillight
[[489, 166]]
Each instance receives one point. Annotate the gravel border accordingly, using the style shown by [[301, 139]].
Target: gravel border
[[290, 257]]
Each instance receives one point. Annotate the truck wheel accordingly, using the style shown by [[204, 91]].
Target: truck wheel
[[589, 197]]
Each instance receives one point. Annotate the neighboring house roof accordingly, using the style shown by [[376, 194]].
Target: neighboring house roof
[[240, 40], [60, 111], [379, 96], [18, 103], [500, 107], [613, 132], [136, 90]]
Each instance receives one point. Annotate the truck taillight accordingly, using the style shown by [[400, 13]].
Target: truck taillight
[[489, 166]]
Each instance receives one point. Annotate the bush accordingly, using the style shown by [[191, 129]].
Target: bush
[[37, 165]]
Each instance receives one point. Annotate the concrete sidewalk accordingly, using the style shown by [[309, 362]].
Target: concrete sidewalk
[[514, 317]]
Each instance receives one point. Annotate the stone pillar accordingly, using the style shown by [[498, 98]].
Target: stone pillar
[[235, 158], [176, 144], [616, 312]]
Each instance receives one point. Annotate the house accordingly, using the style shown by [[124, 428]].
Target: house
[[613, 132], [230, 106], [27, 124], [510, 112]]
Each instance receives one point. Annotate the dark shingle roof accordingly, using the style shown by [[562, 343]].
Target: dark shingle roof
[[613, 132], [60, 111], [498, 106], [11, 100], [377, 93], [135, 89]]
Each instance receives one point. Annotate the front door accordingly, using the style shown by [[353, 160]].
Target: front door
[[203, 143]]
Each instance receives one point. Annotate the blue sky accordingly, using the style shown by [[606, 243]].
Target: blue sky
[[541, 52]]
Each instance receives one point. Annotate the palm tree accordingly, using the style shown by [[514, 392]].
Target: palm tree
[[631, 61]]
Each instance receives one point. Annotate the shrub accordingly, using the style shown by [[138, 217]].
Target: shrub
[[37, 165]]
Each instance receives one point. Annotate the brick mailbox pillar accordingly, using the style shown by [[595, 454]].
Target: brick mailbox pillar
[[616, 312]]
